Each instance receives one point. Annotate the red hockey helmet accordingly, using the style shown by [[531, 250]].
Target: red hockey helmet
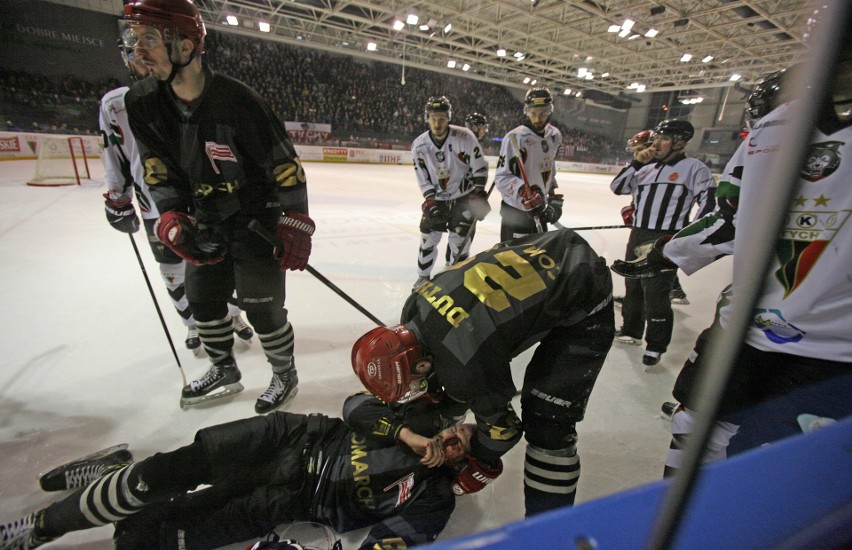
[[385, 359], [640, 140], [180, 15]]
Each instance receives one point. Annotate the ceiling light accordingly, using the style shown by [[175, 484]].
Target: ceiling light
[[451, 64], [651, 33], [519, 54], [532, 83], [398, 25], [624, 32], [526, 80], [448, 28], [632, 86], [686, 57], [412, 19], [581, 72], [589, 58], [579, 94], [640, 88], [567, 91], [521, 58], [614, 28], [628, 24], [707, 59], [465, 67], [424, 27], [604, 75], [735, 77], [589, 76], [501, 53], [633, 36], [371, 47], [263, 26], [232, 20]]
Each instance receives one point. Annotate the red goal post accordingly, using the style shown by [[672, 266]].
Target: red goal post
[[61, 161]]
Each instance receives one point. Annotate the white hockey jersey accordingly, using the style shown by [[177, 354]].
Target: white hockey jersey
[[121, 160], [539, 160], [446, 172], [806, 306]]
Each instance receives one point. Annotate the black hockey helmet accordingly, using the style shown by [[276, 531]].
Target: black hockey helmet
[[765, 96], [475, 119], [678, 130], [437, 104], [538, 97], [169, 16]]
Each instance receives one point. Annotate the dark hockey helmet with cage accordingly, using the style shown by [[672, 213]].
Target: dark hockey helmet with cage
[[437, 104], [169, 16], [765, 96], [677, 130], [539, 96], [476, 119], [384, 360]]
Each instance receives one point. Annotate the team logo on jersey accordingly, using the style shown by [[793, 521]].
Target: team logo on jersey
[[218, 152], [544, 146], [772, 323], [674, 176], [443, 175], [823, 159], [405, 485], [440, 156]]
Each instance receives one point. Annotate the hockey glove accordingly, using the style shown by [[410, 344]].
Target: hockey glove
[[294, 232], [475, 476], [649, 261], [478, 203], [553, 211], [435, 213], [195, 244], [532, 199], [121, 215], [627, 214]]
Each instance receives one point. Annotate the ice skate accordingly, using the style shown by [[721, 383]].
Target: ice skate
[[651, 358], [678, 297], [193, 342], [242, 329], [84, 470], [281, 388], [419, 282], [220, 381], [20, 535], [622, 338]]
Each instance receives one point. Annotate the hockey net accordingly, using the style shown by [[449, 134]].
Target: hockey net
[[61, 161]]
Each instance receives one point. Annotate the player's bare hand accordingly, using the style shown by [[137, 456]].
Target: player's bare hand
[[434, 455], [645, 155]]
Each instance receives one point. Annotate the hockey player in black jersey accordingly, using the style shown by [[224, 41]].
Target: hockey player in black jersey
[[461, 330], [215, 158], [371, 468]]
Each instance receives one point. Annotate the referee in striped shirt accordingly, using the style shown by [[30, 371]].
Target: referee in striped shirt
[[665, 185]]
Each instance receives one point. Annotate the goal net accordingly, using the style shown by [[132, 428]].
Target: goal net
[[61, 161]]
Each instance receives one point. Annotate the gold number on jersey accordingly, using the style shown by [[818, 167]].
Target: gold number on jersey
[[526, 283]]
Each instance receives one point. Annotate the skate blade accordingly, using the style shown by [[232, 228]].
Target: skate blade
[[284, 402], [224, 391], [680, 301]]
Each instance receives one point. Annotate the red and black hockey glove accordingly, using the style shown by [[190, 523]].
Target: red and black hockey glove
[[478, 203], [553, 210], [294, 232], [649, 261], [182, 234], [436, 213], [627, 214], [532, 199], [475, 476], [121, 215]]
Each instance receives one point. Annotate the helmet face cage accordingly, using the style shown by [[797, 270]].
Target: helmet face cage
[[477, 123], [765, 96], [437, 105]]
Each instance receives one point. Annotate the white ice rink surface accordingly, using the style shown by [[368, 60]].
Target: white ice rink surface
[[85, 363]]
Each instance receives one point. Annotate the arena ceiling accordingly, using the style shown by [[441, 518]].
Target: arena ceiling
[[549, 41]]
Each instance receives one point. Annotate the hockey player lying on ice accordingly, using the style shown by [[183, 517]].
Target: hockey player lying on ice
[[263, 471]]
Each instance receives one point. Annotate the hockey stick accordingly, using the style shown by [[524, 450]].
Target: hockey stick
[[514, 139], [157, 306], [622, 226], [255, 226], [469, 236]]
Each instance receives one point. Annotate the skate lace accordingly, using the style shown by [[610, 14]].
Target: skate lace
[[239, 324], [192, 332], [276, 387], [15, 531], [211, 376], [78, 477]]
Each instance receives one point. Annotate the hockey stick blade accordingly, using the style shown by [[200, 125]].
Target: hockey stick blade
[[264, 234]]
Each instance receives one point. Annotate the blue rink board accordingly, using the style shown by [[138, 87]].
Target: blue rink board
[[794, 494]]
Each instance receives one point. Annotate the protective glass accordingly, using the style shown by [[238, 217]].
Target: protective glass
[[142, 36], [417, 388], [541, 110]]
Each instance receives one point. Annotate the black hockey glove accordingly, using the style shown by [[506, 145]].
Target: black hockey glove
[[553, 210], [435, 215], [121, 215], [649, 261]]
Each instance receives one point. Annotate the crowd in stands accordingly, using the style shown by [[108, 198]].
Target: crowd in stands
[[363, 101]]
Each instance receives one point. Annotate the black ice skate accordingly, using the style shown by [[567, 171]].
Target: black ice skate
[[678, 297], [281, 389], [220, 381], [84, 470], [20, 535], [193, 342], [242, 329]]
